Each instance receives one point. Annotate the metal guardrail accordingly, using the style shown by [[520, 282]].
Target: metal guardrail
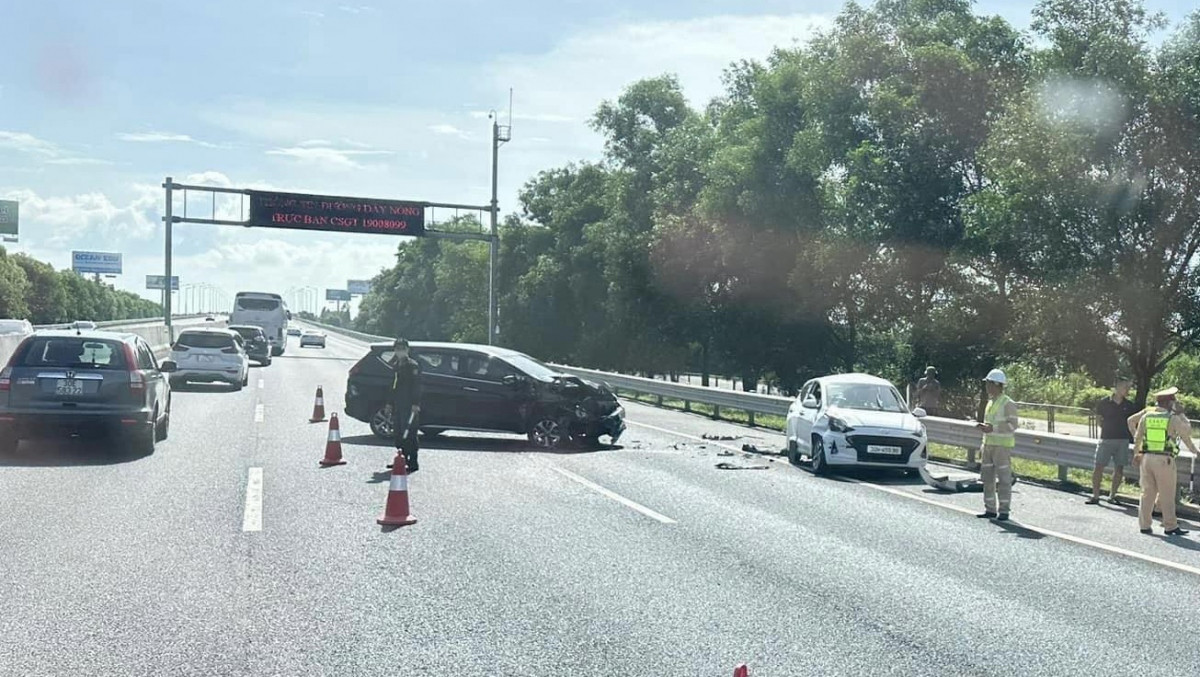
[[121, 323], [1064, 451]]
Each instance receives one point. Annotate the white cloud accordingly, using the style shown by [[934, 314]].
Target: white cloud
[[27, 143], [78, 161], [314, 142], [355, 9], [568, 81], [312, 14], [87, 220], [333, 158], [448, 130], [161, 137]]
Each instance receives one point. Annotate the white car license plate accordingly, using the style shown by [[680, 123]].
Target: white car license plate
[[205, 358], [68, 386], [883, 449]]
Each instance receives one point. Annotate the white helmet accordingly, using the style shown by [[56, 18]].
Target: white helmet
[[996, 376]]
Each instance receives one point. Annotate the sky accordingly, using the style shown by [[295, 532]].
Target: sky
[[99, 102]]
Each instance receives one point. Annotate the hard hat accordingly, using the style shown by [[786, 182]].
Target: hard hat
[[996, 376]]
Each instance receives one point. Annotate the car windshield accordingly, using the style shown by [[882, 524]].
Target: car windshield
[[866, 396], [195, 339], [530, 366], [75, 352]]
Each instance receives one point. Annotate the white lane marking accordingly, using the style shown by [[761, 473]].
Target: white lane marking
[[967, 511], [252, 518], [261, 384], [259, 412], [613, 495], [1045, 532]]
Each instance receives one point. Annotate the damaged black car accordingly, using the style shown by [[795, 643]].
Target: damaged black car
[[485, 388]]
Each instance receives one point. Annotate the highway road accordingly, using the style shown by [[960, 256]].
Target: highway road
[[644, 559]]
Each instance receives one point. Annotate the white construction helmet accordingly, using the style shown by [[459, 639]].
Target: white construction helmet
[[996, 376]]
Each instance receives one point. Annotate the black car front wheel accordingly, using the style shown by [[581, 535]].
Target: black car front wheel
[[548, 433], [381, 423]]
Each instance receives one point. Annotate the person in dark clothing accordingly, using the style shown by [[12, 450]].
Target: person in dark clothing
[[406, 403], [1115, 438]]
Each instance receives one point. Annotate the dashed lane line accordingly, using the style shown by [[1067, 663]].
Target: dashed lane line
[[252, 517], [613, 495], [259, 412]]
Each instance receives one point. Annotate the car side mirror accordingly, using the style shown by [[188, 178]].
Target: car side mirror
[[167, 366], [919, 413], [809, 402], [513, 381]]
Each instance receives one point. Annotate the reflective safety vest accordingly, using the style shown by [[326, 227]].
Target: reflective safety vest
[[995, 416], [1156, 442]]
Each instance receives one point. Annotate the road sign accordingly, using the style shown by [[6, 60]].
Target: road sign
[[156, 282], [297, 211], [9, 211], [101, 263], [337, 294], [359, 287]]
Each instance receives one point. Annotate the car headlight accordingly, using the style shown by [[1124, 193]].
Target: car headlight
[[921, 430], [838, 425]]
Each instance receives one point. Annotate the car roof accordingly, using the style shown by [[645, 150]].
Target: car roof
[[88, 333], [494, 351], [854, 379], [209, 330]]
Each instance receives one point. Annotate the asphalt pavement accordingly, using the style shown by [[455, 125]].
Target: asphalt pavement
[[644, 558]]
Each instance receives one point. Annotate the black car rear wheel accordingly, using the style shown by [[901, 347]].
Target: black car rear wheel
[[144, 439], [381, 422], [164, 427], [548, 433]]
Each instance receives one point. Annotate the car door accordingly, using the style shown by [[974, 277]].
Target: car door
[[157, 390], [807, 415], [494, 404], [443, 404]]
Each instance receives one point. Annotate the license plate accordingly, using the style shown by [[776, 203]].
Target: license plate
[[205, 358], [68, 386], [885, 450]]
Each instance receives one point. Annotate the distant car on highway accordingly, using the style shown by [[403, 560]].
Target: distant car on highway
[[15, 328], [476, 387], [293, 331], [854, 420], [210, 318], [83, 325], [258, 348], [312, 337], [210, 355], [64, 383]]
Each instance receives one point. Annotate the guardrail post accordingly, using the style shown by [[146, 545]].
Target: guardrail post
[[1050, 429], [971, 457], [750, 418], [658, 400], [687, 406], [1063, 478], [716, 413]]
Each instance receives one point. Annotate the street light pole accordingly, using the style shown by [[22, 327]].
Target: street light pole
[[168, 219]]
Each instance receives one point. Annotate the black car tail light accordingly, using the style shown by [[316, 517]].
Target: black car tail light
[[137, 381], [230, 350]]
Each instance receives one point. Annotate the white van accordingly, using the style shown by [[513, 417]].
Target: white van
[[265, 310]]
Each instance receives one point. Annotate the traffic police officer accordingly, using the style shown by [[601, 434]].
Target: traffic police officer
[[406, 402], [999, 439], [1158, 428]]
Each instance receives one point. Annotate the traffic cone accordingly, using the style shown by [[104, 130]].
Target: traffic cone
[[333, 446], [741, 671], [396, 512], [318, 407]]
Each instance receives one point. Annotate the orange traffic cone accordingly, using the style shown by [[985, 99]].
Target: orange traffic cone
[[741, 671], [333, 446], [396, 512], [318, 407]]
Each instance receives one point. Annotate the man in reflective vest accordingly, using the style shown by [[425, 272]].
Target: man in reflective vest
[[1158, 428], [999, 427]]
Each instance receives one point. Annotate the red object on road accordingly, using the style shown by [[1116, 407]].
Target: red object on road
[[318, 407], [396, 512], [741, 671], [333, 445]]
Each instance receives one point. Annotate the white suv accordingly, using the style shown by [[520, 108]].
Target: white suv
[[210, 356]]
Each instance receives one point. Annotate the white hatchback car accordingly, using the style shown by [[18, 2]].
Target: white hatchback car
[[855, 420], [210, 356]]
